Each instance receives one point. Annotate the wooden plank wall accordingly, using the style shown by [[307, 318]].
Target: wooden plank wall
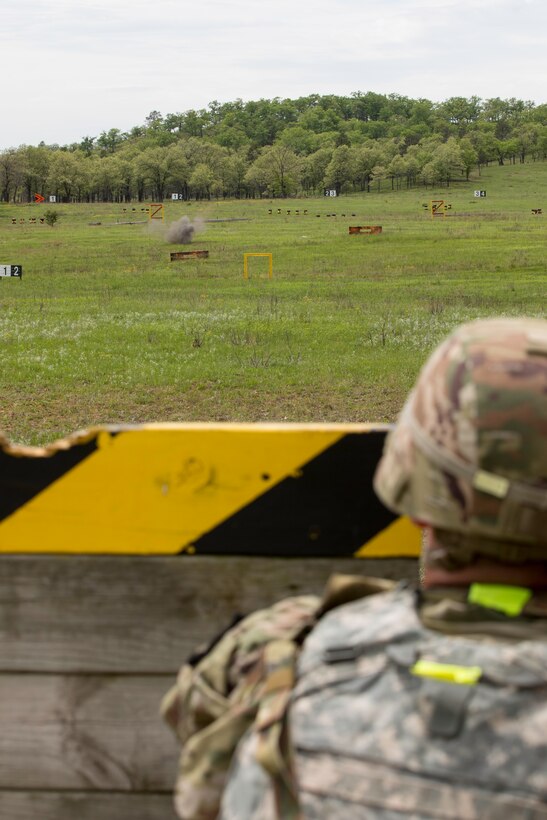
[[88, 647]]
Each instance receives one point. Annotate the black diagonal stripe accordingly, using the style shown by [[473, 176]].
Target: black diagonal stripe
[[330, 510], [23, 477]]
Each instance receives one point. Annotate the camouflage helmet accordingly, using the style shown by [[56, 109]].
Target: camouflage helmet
[[468, 455]]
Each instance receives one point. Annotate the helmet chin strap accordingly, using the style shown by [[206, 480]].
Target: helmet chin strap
[[532, 575], [482, 569]]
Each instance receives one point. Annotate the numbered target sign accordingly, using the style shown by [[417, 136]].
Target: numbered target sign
[[480, 193], [330, 191], [11, 270], [174, 196]]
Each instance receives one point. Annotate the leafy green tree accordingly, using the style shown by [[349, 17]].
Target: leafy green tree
[[357, 133], [461, 112], [429, 173], [34, 169], [109, 141], [484, 142], [279, 168], [469, 156], [505, 114], [379, 173], [299, 139], [238, 165], [538, 114], [87, 145], [449, 160], [366, 157], [203, 182], [112, 178], [178, 169], [319, 120], [174, 122], [445, 163], [257, 178], [397, 170], [367, 107], [154, 120], [156, 167], [314, 168], [68, 175], [542, 142], [340, 171], [11, 174], [527, 137], [419, 155], [195, 123], [231, 133]]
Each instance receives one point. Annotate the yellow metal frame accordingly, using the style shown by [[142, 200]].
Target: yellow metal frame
[[152, 214], [437, 208], [246, 264]]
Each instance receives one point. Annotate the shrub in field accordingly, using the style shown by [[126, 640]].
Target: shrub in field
[[51, 218]]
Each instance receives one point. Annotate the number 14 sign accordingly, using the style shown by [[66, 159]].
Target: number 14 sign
[[11, 270]]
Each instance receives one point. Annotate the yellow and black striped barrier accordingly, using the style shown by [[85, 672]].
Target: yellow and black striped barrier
[[234, 489]]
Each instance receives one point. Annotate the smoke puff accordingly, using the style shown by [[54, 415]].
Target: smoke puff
[[182, 231]]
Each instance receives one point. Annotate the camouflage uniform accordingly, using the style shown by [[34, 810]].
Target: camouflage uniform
[[372, 740], [375, 727], [218, 693]]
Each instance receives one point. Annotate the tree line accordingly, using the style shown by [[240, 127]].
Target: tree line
[[280, 148]]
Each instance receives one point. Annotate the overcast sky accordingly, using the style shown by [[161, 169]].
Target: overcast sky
[[74, 68]]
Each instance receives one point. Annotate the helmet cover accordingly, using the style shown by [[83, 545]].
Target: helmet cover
[[468, 455]]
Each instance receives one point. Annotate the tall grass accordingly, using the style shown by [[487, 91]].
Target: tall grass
[[104, 328]]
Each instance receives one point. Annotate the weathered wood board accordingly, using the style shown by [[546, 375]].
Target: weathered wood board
[[46, 805], [142, 615], [102, 598], [99, 732], [88, 647]]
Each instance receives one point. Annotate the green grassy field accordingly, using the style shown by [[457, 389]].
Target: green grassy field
[[104, 328]]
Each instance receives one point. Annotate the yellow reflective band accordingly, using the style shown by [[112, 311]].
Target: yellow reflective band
[[451, 673], [495, 485], [507, 599]]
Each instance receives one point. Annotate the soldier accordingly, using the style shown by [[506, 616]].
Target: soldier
[[426, 703]]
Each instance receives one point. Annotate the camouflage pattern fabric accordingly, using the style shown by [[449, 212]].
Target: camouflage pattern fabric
[[245, 679], [215, 701], [469, 452], [372, 740]]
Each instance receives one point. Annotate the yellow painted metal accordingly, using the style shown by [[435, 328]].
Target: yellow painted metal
[[246, 263], [156, 489], [402, 538], [154, 209], [437, 208]]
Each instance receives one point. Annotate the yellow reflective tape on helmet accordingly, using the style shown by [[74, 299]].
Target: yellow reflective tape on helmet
[[468, 675], [507, 599]]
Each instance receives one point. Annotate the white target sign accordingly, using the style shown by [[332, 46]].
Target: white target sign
[[330, 191]]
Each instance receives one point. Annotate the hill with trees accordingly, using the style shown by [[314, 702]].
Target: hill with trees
[[279, 148]]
